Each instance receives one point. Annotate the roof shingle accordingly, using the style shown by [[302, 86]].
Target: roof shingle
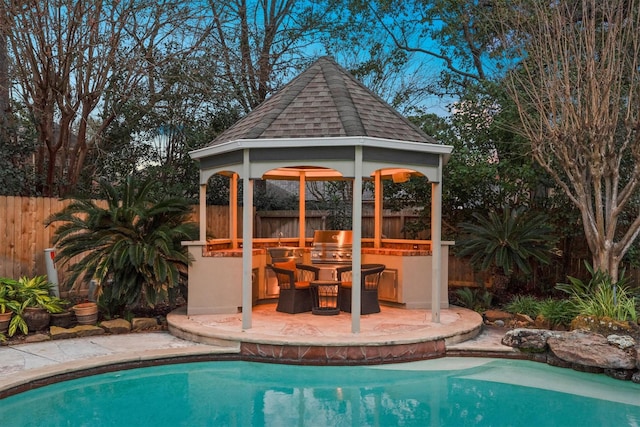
[[323, 101]]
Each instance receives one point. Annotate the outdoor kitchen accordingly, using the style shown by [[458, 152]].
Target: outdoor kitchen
[[407, 263]]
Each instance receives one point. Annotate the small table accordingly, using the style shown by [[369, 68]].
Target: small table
[[325, 297]]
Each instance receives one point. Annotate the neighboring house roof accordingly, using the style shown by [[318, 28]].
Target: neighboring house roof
[[323, 101]]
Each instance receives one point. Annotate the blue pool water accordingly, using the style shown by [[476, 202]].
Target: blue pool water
[[442, 392]]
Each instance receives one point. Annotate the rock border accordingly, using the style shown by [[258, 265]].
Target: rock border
[[617, 356]]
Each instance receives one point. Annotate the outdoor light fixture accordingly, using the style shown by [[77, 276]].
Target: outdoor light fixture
[[400, 177]]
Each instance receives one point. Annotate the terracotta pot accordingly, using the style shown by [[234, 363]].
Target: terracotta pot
[[36, 318], [5, 319], [86, 313]]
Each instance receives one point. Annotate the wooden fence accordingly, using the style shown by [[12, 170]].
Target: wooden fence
[[24, 236]]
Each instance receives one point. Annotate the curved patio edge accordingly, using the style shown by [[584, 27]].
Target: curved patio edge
[[395, 335]]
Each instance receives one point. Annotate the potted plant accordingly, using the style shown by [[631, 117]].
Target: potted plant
[[35, 305], [65, 319], [7, 303]]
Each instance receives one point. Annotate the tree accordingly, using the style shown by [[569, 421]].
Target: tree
[[576, 85], [453, 37], [78, 63], [4, 82], [259, 45]]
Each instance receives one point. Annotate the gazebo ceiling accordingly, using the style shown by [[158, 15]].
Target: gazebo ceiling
[[314, 173]]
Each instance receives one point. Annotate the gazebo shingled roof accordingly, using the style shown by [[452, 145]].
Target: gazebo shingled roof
[[324, 101]]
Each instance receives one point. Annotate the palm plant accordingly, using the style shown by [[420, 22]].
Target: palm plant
[[131, 246], [503, 243]]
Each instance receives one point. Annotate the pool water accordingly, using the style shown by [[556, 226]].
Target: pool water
[[441, 392]]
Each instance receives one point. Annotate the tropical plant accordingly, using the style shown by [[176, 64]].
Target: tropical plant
[[558, 311], [32, 292], [474, 299], [524, 304], [36, 292], [7, 290], [131, 246], [502, 243], [601, 296]]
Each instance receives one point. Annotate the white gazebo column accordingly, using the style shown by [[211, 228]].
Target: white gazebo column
[[356, 257], [436, 247], [233, 211], [302, 210], [203, 213], [377, 214], [247, 242]]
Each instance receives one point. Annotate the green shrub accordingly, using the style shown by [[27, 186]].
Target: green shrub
[[131, 247], [601, 297], [605, 303], [502, 243], [558, 311], [524, 304], [474, 299]]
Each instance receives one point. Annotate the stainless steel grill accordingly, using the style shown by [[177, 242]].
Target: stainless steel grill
[[332, 247]]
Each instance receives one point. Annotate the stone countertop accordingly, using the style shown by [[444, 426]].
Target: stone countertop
[[396, 252], [231, 253]]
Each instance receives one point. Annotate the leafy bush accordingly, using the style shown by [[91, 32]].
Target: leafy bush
[[132, 247], [601, 297], [474, 299], [558, 311], [524, 304], [29, 292], [502, 243]]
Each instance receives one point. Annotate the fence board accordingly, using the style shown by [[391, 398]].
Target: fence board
[[11, 244], [5, 261]]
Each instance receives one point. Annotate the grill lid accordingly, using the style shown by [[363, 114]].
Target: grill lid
[[338, 238], [332, 246]]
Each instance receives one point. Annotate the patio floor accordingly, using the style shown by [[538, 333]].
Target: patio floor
[[393, 335]]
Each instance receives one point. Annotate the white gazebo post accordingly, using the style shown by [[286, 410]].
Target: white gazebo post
[[233, 210], [377, 210], [302, 210], [356, 257], [436, 245], [203, 212], [247, 241]]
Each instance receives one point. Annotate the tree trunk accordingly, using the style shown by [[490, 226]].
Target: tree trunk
[[4, 82], [607, 260]]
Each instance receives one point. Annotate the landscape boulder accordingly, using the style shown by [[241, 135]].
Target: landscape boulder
[[144, 323], [533, 340], [116, 326], [591, 349], [616, 355]]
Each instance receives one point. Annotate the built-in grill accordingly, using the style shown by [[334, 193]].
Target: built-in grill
[[332, 247]]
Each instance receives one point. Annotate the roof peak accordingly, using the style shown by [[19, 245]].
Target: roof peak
[[325, 100]]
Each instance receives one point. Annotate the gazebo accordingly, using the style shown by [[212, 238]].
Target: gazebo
[[323, 125]]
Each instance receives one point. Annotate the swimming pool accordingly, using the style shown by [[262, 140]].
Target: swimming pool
[[440, 392]]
